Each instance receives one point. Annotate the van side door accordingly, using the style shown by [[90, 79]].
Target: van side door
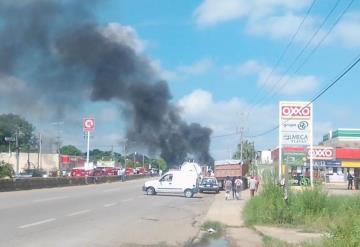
[[166, 185]]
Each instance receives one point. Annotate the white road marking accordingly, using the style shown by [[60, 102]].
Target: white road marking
[[50, 199], [37, 223], [110, 204], [80, 212], [127, 200]]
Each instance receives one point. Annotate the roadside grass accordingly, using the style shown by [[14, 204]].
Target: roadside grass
[[310, 209], [274, 242]]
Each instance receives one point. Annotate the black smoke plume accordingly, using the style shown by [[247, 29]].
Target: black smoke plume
[[59, 55]]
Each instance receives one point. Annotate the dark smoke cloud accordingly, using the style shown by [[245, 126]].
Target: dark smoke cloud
[[57, 48]]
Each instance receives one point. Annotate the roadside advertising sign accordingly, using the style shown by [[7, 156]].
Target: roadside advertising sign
[[334, 163], [88, 124], [321, 153], [294, 158], [295, 129]]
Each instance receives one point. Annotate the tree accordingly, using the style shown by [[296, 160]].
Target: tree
[[6, 170], [12, 125], [70, 150], [248, 151], [159, 163]]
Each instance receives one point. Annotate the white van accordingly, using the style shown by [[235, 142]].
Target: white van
[[174, 182]]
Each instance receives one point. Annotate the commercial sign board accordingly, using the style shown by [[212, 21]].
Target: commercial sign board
[[88, 124], [295, 110], [295, 129], [295, 138], [295, 123], [294, 158], [333, 163], [321, 153]]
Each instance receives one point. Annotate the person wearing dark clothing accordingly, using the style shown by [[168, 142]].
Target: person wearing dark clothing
[[350, 179], [233, 187]]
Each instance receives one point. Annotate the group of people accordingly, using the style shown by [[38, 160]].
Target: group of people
[[234, 187]]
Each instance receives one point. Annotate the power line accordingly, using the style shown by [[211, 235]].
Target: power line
[[317, 45], [287, 47], [275, 87], [315, 98]]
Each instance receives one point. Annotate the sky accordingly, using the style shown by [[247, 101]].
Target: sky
[[221, 62]]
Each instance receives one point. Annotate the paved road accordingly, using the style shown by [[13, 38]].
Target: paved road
[[115, 214]]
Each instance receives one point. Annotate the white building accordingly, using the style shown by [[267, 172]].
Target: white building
[[265, 157]]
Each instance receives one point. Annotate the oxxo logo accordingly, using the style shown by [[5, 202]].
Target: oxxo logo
[[89, 124], [295, 111], [321, 153]]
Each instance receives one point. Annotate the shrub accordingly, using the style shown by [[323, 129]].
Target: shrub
[[6, 170]]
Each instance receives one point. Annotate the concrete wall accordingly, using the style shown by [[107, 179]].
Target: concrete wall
[[47, 162]]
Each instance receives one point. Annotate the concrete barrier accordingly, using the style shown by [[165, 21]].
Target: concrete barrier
[[52, 182]]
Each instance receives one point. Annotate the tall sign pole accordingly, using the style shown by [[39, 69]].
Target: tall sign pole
[[88, 126], [280, 138]]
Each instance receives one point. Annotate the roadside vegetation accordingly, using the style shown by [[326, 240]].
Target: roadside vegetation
[[6, 170], [312, 210]]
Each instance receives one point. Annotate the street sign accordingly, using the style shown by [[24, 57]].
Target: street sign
[[88, 124], [10, 139]]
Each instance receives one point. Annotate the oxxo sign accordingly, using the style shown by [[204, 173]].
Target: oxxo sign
[[291, 111], [88, 124], [321, 153], [295, 123]]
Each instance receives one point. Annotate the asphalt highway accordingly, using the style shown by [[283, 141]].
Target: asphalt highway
[[112, 214]]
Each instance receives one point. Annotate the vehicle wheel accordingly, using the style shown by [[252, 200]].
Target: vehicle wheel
[[150, 191], [188, 193]]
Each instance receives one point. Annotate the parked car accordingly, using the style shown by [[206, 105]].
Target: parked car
[[209, 184], [81, 172]]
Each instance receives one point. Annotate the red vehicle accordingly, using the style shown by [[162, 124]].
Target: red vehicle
[[140, 170], [80, 172], [129, 171]]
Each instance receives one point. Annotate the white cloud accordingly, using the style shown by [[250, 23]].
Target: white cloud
[[197, 68], [212, 12], [270, 80], [123, 35], [348, 30], [227, 116], [278, 19]]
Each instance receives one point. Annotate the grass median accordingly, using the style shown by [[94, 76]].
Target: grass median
[[310, 209]]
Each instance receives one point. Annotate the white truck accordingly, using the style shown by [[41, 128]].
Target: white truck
[[174, 182]]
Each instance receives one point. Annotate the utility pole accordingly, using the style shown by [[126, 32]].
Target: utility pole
[[58, 142], [17, 150], [39, 156], [241, 143]]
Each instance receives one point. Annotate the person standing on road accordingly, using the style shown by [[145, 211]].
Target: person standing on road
[[228, 187], [233, 187], [252, 186], [160, 172], [238, 186], [350, 179]]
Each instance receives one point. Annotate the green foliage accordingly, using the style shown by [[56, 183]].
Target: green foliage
[[248, 151], [6, 170], [311, 209], [159, 163], [10, 124], [70, 150]]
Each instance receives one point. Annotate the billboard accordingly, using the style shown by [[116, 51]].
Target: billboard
[[295, 123]]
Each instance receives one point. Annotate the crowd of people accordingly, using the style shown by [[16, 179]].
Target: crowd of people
[[234, 186]]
